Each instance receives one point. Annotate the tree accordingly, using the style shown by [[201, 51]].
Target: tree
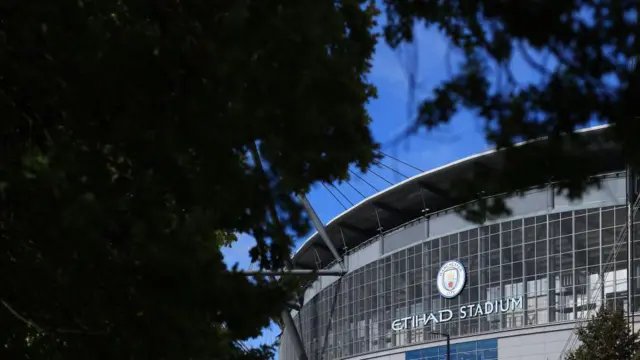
[[584, 53], [607, 336], [130, 131]]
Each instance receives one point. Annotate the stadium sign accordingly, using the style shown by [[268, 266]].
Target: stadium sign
[[451, 279], [464, 312]]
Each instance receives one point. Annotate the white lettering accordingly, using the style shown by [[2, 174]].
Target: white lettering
[[404, 322], [502, 307], [488, 308], [517, 303], [463, 312], [448, 312]]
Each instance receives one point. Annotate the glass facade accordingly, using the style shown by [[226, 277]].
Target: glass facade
[[552, 261], [471, 350]]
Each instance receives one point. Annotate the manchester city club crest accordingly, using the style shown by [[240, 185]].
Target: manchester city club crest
[[451, 279]]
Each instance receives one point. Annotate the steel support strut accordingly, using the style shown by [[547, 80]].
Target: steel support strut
[[287, 319], [331, 313], [315, 220], [295, 272]]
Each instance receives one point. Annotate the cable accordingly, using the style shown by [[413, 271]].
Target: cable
[[334, 196], [242, 345], [401, 162], [354, 188], [341, 193], [378, 175], [365, 181], [390, 168]]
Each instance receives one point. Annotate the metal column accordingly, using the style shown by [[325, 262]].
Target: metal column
[[448, 337], [630, 270]]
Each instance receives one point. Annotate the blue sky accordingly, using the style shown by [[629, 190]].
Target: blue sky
[[391, 115]]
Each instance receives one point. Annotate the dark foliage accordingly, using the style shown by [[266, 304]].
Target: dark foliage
[[125, 164], [607, 336]]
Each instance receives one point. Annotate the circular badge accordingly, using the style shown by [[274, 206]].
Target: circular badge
[[451, 279]]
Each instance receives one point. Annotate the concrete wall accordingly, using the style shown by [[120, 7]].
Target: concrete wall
[[526, 345]]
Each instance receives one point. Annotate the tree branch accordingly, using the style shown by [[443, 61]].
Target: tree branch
[[40, 329], [22, 318]]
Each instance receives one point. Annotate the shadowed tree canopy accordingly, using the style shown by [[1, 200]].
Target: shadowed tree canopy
[[607, 336], [127, 161], [583, 54]]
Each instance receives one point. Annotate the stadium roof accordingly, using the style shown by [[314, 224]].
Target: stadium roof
[[407, 200]]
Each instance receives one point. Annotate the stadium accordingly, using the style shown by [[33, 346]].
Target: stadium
[[412, 275]]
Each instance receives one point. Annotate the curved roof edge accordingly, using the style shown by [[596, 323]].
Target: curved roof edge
[[393, 207]]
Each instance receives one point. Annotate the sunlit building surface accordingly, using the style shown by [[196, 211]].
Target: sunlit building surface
[[513, 288]]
